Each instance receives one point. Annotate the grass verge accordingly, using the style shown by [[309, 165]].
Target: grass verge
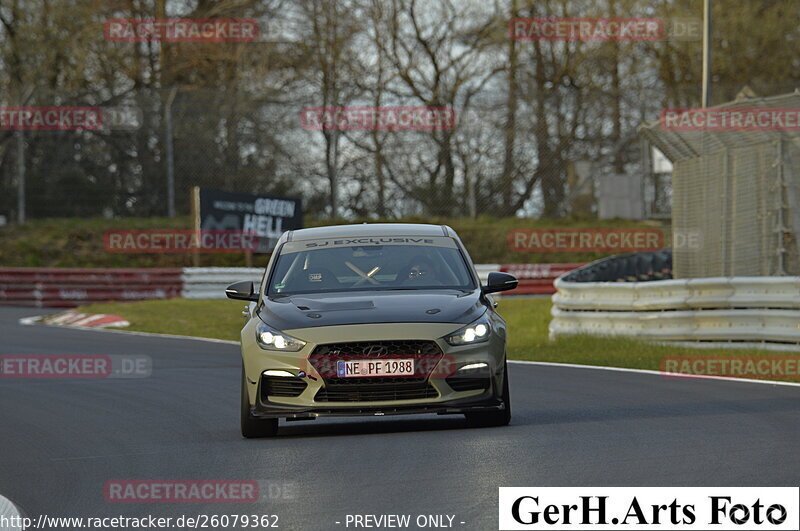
[[217, 319], [527, 321]]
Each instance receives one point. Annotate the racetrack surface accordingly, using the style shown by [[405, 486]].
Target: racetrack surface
[[61, 440]]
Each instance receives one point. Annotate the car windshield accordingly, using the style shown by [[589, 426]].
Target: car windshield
[[373, 263]]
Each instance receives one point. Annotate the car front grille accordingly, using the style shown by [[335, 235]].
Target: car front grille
[[281, 386], [374, 392], [426, 355]]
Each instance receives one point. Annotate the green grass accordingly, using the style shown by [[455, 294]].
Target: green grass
[[527, 321], [78, 242], [218, 319]]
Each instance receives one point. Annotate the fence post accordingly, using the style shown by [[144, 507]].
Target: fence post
[[20, 178]]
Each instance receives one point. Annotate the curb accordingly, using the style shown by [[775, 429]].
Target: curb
[[75, 319]]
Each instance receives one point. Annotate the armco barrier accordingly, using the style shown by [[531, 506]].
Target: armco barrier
[[721, 310], [739, 325], [687, 294], [210, 282], [63, 287], [536, 279]]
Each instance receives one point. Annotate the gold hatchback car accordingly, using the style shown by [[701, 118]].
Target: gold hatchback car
[[372, 319]]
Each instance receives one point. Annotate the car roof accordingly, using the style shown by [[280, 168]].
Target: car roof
[[370, 229]]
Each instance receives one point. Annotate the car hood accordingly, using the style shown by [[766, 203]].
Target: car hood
[[362, 307]]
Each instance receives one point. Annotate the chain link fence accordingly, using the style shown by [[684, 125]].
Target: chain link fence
[[735, 196]]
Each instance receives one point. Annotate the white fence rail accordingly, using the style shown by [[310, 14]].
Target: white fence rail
[[210, 282], [741, 309]]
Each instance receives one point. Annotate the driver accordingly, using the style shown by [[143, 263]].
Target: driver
[[420, 270]]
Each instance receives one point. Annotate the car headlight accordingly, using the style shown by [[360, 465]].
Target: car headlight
[[475, 332], [270, 339]]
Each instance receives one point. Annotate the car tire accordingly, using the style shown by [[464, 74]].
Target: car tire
[[500, 417], [251, 426]]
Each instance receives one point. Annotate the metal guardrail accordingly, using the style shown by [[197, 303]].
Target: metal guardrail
[[719, 309], [536, 279], [689, 294], [69, 287], [732, 325], [210, 282]]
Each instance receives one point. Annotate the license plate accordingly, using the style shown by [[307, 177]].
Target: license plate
[[362, 368]]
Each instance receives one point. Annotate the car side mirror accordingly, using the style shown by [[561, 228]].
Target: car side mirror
[[242, 290], [499, 282]]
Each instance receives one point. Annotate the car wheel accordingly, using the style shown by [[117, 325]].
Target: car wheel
[[494, 418], [251, 426]]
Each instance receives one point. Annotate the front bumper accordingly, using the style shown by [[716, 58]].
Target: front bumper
[[314, 398]]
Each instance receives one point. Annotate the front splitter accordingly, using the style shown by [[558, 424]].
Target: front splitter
[[451, 408]]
